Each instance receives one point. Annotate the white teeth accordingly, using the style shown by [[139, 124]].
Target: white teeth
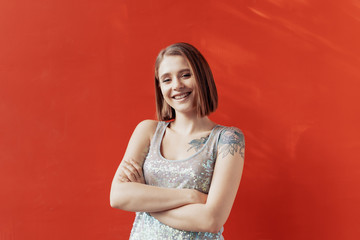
[[181, 96]]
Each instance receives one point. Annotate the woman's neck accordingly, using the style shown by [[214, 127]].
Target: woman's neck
[[190, 123]]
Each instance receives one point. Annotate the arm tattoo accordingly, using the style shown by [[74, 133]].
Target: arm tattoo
[[232, 142], [198, 143]]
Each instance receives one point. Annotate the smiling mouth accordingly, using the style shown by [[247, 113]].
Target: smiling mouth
[[181, 96]]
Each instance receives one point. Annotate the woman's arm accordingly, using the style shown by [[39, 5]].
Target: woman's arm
[[212, 215], [128, 191], [138, 197]]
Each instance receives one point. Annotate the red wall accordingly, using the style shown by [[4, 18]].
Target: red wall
[[77, 76]]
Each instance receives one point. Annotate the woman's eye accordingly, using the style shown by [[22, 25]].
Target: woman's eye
[[166, 80], [186, 75]]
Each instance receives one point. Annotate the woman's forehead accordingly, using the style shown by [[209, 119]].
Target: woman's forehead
[[172, 64]]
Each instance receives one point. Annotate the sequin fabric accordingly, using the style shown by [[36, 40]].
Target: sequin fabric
[[194, 172]]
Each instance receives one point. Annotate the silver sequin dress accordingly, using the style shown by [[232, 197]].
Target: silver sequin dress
[[194, 172]]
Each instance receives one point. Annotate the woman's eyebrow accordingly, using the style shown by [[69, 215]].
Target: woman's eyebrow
[[184, 70], [180, 71], [164, 75]]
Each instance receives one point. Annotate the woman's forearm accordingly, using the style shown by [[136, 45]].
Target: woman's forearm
[[137, 197], [192, 217]]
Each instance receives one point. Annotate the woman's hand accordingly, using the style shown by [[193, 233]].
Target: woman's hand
[[199, 197], [130, 171]]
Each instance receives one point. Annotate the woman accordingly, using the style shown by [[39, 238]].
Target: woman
[[180, 174]]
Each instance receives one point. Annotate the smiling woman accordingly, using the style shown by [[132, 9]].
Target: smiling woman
[[197, 67], [180, 174], [177, 83]]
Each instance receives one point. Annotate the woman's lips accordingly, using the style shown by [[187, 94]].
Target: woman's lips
[[181, 96]]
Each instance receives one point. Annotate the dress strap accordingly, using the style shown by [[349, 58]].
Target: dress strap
[[156, 139]]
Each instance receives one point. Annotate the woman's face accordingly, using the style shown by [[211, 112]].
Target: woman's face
[[177, 83]]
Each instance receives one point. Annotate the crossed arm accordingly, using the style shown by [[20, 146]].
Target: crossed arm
[[184, 209], [128, 191]]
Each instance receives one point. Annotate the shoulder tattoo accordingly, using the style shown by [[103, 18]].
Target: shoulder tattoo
[[231, 141], [198, 143]]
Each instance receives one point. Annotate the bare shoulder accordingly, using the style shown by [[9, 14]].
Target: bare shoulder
[[139, 142], [231, 141], [147, 127]]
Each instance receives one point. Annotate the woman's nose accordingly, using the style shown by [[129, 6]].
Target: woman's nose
[[177, 84]]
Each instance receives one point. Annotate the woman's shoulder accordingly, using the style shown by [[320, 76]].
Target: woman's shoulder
[[231, 140], [231, 134], [228, 129], [147, 127]]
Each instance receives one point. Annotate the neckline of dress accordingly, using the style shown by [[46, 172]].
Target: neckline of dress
[[179, 160]]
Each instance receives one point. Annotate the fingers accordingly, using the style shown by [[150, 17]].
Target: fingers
[[121, 175], [137, 167], [123, 178], [132, 171]]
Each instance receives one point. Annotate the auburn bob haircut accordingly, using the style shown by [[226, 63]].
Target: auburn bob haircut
[[206, 94]]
